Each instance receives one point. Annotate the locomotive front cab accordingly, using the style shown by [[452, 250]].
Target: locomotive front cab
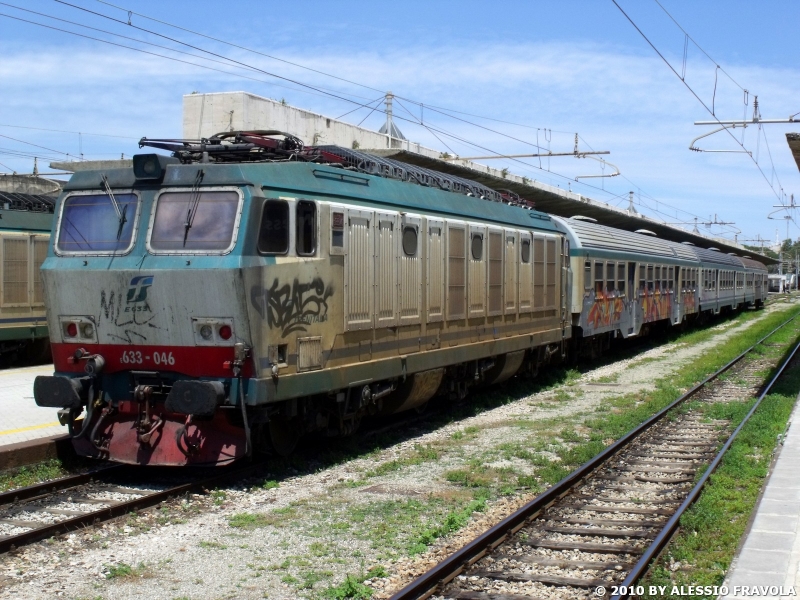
[[147, 315]]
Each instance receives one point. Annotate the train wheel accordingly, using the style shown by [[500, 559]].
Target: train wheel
[[283, 435]]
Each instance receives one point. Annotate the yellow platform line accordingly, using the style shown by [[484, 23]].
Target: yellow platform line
[[31, 428]]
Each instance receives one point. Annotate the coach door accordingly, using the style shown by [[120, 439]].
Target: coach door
[[630, 296]]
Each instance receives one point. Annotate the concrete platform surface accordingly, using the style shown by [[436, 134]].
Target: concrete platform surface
[[20, 419], [770, 555]]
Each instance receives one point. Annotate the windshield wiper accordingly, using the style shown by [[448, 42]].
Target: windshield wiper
[[120, 213], [194, 203]]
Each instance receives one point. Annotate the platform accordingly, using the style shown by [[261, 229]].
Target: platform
[[20, 419], [770, 554]]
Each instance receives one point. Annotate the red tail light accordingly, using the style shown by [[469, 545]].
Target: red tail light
[[225, 332], [72, 330]]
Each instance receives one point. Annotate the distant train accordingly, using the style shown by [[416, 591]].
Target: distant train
[[248, 290], [25, 223]]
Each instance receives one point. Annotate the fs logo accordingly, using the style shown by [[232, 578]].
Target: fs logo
[[137, 291]]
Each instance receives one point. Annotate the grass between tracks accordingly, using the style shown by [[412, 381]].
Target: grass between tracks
[[481, 467], [32, 474], [710, 531]]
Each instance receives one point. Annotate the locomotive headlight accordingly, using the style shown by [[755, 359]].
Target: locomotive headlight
[[206, 332], [87, 329], [151, 167]]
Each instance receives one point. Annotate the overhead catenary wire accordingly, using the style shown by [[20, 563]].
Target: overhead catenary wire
[[436, 109], [35, 145], [416, 121], [709, 110], [313, 70], [124, 137], [233, 61]]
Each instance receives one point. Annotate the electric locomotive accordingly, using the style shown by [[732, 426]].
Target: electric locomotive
[[248, 290]]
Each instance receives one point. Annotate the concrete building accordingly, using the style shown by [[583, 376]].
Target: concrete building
[[207, 114]]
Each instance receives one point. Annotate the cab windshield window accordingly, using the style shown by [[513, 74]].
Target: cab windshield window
[[192, 221], [91, 223]]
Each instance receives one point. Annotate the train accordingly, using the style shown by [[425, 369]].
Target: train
[[25, 224], [245, 291]]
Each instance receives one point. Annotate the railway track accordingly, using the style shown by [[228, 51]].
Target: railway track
[[595, 532], [40, 511]]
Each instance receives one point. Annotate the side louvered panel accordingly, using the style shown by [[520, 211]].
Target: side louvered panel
[[511, 262], [456, 272], [358, 266], [552, 280], [477, 271], [496, 273], [436, 270], [15, 271], [409, 289], [538, 273], [40, 243], [385, 270], [309, 353]]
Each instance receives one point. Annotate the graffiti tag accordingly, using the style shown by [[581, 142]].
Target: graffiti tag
[[111, 307], [292, 307]]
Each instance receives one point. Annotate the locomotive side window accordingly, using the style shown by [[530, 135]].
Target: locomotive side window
[[273, 235], [337, 232], [90, 223], [306, 228], [194, 221], [410, 240], [525, 252], [477, 246]]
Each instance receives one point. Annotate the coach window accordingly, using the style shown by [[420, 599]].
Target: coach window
[[599, 277], [671, 278], [642, 278], [658, 279], [273, 236], [306, 228], [650, 277], [611, 280], [587, 277], [621, 278]]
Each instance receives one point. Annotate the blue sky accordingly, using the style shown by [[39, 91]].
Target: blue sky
[[562, 67]]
